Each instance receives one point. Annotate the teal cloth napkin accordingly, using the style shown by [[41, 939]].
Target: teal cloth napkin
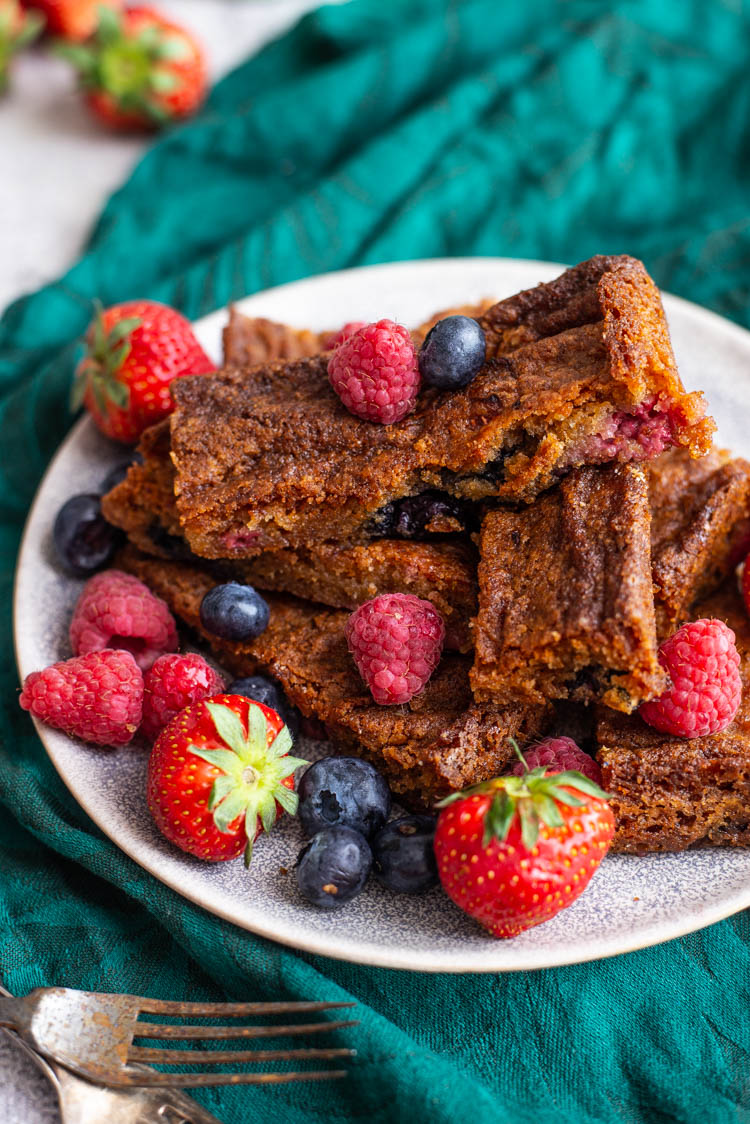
[[379, 131]]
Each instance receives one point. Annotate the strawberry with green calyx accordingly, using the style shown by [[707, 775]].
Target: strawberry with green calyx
[[514, 851], [219, 774], [18, 29], [133, 352], [139, 70]]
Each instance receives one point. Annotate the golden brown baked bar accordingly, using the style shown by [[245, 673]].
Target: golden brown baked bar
[[672, 793], [700, 528], [443, 572], [441, 741], [566, 604], [250, 340], [580, 371]]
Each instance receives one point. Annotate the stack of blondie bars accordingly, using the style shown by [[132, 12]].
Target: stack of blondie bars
[[565, 512]]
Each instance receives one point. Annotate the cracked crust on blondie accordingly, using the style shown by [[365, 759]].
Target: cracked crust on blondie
[[700, 528], [580, 371], [566, 607], [667, 793], [439, 742]]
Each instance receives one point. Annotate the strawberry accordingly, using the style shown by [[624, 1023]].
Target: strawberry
[[17, 29], [515, 851], [74, 20], [139, 70], [219, 774], [133, 352]]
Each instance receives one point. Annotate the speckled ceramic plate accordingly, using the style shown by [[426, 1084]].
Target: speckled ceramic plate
[[631, 902]]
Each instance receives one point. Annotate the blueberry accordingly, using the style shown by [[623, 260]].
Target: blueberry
[[234, 612], [85, 541], [415, 517], [346, 791], [404, 855], [118, 473], [265, 691], [452, 353], [333, 867]]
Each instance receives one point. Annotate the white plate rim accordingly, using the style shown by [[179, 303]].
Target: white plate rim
[[374, 954]]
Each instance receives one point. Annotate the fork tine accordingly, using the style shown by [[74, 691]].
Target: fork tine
[[206, 1080], [208, 1010], [169, 1030], [206, 1057]]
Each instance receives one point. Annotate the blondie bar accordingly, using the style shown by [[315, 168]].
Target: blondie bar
[[672, 793], [443, 572], [700, 528], [441, 741], [249, 340], [566, 606], [579, 371]]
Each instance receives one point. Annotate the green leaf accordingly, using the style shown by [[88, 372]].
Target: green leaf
[[529, 824], [229, 809], [78, 391], [267, 812], [117, 393], [574, 779], [113, 358], [548, 811], [109, 29], [287, 765], [32, 26], [256, 729], [250, 829], [228, 727], [122, 329], [221, 787], [499, 817], [100, 398], [174, 48], [162, 82], [289, 800], [568, 798], [81, 58], [281, 744], [447, 800], [223, 759]]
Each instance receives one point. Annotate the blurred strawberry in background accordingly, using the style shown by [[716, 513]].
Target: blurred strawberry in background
[[139, 70], [17, 29], [75, 20]]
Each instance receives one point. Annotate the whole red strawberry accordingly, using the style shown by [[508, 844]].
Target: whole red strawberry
[[140, 70], [74, 20], [133, 352], [515, 851], [219, 774], [17, 29]]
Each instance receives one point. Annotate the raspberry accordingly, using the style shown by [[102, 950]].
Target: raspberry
[[396, 640], [115, 610], [97, 697], [560, 754], [375, 372], [333, 339], [704, 667], [171, 684]]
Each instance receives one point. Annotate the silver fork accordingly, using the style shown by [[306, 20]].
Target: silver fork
[[81, 1102], [93, 1035]]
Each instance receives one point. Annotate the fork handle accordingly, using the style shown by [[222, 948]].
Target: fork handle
[[11, 1011], [84, 1103]]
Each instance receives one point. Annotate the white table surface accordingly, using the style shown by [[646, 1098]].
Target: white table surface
[[57, 169]]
